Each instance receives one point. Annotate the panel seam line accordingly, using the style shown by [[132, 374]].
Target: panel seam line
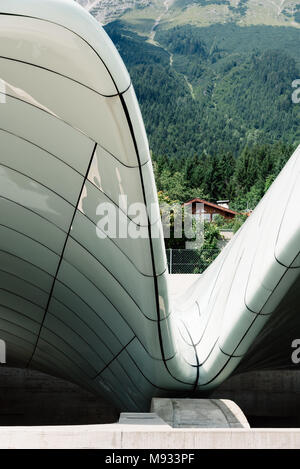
[[62, 254]]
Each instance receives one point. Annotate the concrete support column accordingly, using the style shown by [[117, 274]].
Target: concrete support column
[[199, 413]]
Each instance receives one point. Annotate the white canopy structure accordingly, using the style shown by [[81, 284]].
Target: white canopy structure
[[99, 311]]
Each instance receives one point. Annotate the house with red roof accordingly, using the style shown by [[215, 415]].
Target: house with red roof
[[211, 210]]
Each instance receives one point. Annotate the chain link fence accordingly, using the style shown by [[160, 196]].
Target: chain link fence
[[190, 261]]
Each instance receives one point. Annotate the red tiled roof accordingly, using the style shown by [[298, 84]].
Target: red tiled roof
[[211, 204]]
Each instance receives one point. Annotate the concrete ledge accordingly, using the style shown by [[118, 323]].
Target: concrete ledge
[[143, 418], [199, 413], [116, 436]]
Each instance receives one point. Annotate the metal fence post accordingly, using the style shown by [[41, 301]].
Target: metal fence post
[[170, 261]]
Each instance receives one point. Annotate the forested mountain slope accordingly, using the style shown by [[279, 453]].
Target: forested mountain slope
[[215, 91]]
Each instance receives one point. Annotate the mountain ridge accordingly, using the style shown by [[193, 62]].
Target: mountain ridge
[[143, 16], [216, 99]]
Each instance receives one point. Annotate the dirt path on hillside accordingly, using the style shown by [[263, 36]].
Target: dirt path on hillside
[[167, 4]]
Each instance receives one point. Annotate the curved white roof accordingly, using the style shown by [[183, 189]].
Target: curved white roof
[[98, 310]]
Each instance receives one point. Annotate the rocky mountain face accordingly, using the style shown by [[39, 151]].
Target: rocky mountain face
[[144, 15], [108, 10]]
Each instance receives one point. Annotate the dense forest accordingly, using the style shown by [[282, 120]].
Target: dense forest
[[217, 106]]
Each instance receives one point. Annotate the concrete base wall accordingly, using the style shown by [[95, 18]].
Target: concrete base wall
[[267, 398], [31, 398], [35, 399]]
